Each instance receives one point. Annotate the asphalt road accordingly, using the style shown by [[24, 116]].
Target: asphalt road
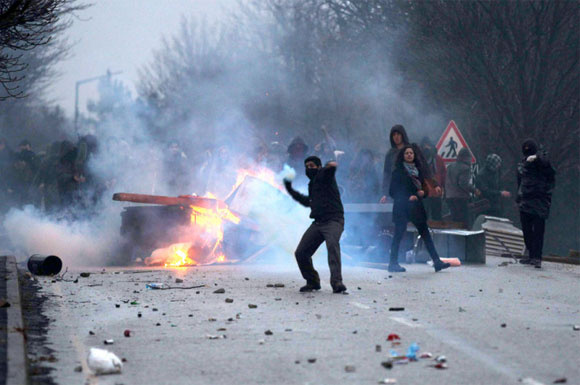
[[458, 313]]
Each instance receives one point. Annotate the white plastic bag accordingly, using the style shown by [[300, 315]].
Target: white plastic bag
[[102, 361]]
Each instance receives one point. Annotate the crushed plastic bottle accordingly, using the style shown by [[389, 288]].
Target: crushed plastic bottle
[[157, 286], [412, 351]]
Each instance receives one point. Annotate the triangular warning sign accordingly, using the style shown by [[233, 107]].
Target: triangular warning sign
[[451, 142]]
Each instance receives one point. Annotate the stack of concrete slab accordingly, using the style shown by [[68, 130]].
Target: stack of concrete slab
[[501, 236]]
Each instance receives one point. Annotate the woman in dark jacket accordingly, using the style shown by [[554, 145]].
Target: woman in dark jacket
[[407, 192]]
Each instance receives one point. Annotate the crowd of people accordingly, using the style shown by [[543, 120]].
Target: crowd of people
[[55, 180], [60, 180]]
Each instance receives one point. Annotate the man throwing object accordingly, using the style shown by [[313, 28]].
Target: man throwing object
[[328, 214]]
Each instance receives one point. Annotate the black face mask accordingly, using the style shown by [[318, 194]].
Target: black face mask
[[311, 173]]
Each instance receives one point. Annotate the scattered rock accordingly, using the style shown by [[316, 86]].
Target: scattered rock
[[562, 380], [79, 368], [277, 299], [270, 285], [85, 275], [287, 330], [279, 285], [576, 327], [190, 315], [220, 291], [461, 310], [4, 303], [109, 342], [229, 300], [117, 305], [319, 316], [388, 381], [503, 325], [139, 315], [221, 329], [268, 332], [350, 368], [212, 319], [154, 309], [157, 324], [311, 360], [247, 279], [127, 333], [252, 306], [178, 280], [297, 362], [396, 309], [387, 364], [92, 333], [441, 359], [503, 264], [261, 342], [378, 348]]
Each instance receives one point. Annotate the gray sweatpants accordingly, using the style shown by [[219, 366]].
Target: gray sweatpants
[[317, 233]]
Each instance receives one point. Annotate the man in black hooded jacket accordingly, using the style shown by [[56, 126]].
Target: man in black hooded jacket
[[399, 139], [328, 214], [536, 180]]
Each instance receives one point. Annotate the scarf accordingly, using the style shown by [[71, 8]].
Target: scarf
[[413, 173]]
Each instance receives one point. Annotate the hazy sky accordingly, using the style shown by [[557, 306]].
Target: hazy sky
[[120, 35]]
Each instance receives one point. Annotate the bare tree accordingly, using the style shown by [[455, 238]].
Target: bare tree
[[24, 26]]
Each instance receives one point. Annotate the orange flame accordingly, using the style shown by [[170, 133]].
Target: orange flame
[[178, 256], [208, 225]]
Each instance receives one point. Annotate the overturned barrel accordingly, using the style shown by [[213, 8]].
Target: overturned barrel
[[44, 264]]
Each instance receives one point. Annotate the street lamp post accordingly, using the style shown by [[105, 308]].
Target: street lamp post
[[84, 81]]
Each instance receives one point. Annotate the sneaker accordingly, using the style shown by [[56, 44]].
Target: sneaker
[[310, 286], [396, 268], [525, 261], [537, 263], [439, 265], [338, 287]]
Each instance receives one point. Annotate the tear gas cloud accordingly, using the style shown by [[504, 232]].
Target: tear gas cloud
[[206, 91]]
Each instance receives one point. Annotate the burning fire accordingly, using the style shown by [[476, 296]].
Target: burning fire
[[207, 230], [262, 173], [178, 256]]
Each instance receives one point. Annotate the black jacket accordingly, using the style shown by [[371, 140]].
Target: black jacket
[[391, 157], [401, 189], [536, 180], [323, 196]]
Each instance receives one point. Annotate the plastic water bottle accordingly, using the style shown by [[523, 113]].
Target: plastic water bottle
[[157, 286], [412, 351]]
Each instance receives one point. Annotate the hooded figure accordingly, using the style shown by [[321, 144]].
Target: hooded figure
[[434, 162], [297, 150], [398, 139], [536, 181], [327, 211], [458, 187], [488, 182]]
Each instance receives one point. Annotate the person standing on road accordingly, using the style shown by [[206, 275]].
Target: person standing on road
[[406, 189], [327, 211], [488, 182], [434, 204], [458, 187], [536, 181], [399, 139]]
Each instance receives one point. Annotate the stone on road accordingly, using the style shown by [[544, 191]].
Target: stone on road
[[281, 336]]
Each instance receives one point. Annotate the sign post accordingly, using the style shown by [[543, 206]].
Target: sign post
[[450, 143]]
